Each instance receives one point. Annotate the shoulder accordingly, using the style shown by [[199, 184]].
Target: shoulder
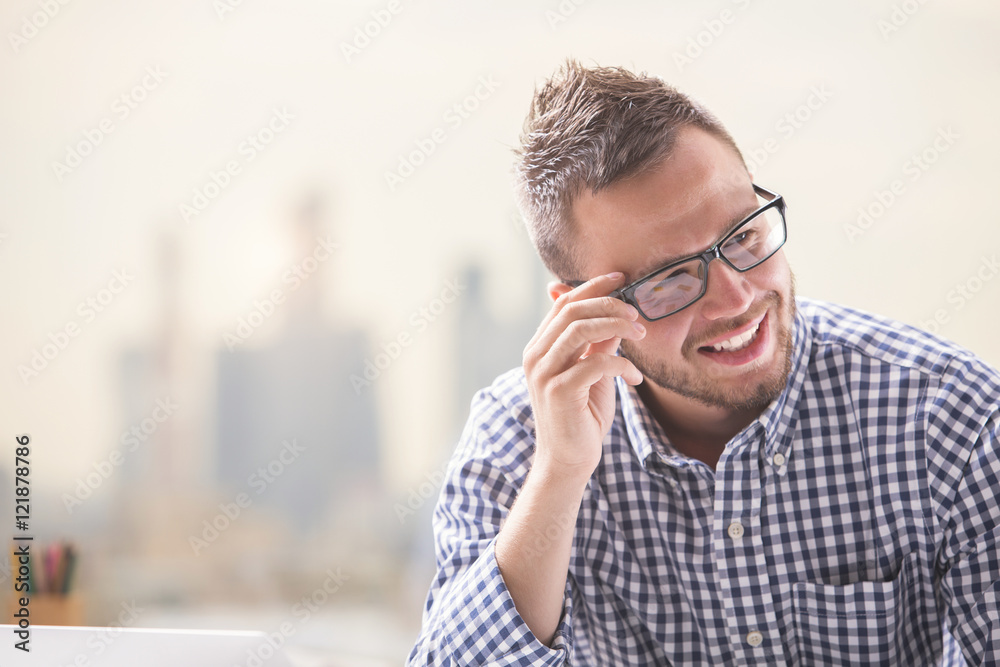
[[880, 338], [886, 346], [500, 431]]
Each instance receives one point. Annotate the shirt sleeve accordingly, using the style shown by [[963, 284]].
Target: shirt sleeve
[[969, 557], [469, 617]]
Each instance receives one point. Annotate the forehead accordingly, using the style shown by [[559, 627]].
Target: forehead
[[678, 208]]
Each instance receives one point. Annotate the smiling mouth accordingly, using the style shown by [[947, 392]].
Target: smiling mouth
[[736, 343], [741, 348]]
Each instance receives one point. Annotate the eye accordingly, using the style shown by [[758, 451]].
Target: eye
[[746, 238], [677, 275]]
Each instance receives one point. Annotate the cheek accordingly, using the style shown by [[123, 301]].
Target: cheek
[[666, 335], [777, 271], [773, 275]]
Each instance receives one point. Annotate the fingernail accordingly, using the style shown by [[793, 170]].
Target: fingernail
[[615, 275], [639, 327]]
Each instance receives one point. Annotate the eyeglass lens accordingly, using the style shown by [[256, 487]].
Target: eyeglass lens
[[679, 285]]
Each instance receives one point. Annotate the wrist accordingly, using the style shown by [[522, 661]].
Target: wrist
[[556, 475]]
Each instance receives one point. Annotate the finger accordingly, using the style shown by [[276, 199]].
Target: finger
[[577, 381], [577, 338], [599, 286], [593, 307]]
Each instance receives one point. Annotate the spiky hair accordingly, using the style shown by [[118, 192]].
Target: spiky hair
[[590, 128]]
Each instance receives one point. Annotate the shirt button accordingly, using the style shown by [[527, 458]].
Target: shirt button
[[755, 638], [779, 459], [736, 530]]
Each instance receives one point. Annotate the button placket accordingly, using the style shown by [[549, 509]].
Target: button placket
[[741, 559]]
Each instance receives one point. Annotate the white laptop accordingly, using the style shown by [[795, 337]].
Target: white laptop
[[56, 646]]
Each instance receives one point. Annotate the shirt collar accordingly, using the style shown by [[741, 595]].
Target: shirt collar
[[777, 421]]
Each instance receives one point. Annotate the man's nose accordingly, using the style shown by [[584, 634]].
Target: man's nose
[[728, 292]]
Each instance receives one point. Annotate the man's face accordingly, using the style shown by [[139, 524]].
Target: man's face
[[681, 208]]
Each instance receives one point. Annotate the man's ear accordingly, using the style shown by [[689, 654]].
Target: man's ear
[[557, 289]]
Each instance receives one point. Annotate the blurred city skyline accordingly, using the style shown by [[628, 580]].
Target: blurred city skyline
[[225, 227]]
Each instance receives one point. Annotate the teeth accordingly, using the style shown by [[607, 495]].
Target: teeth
[[736, 342]]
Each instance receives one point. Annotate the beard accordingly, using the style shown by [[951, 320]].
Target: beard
[[686, 380]]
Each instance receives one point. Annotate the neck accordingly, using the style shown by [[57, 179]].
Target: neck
[[695, 429]]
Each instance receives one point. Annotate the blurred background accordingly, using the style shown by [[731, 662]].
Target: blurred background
[[257, 256]]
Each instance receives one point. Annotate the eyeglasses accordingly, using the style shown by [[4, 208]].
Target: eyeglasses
[[679, 284]]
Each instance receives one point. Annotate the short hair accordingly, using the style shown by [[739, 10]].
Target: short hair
[[591, 128]]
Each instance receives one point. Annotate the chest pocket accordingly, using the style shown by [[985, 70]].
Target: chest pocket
[[865, 623]]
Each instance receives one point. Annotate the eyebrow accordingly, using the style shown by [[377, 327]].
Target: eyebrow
[[730, 226]]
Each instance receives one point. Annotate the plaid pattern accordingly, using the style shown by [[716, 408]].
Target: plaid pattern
[[865, 496]]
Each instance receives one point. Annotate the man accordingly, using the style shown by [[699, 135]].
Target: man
[[693, 466]]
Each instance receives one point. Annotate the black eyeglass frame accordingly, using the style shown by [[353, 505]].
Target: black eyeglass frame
[[627, 293]]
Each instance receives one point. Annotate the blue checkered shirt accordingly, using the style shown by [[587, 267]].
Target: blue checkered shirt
[[854, 522]]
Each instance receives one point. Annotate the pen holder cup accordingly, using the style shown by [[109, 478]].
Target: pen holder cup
[[48, 609]]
